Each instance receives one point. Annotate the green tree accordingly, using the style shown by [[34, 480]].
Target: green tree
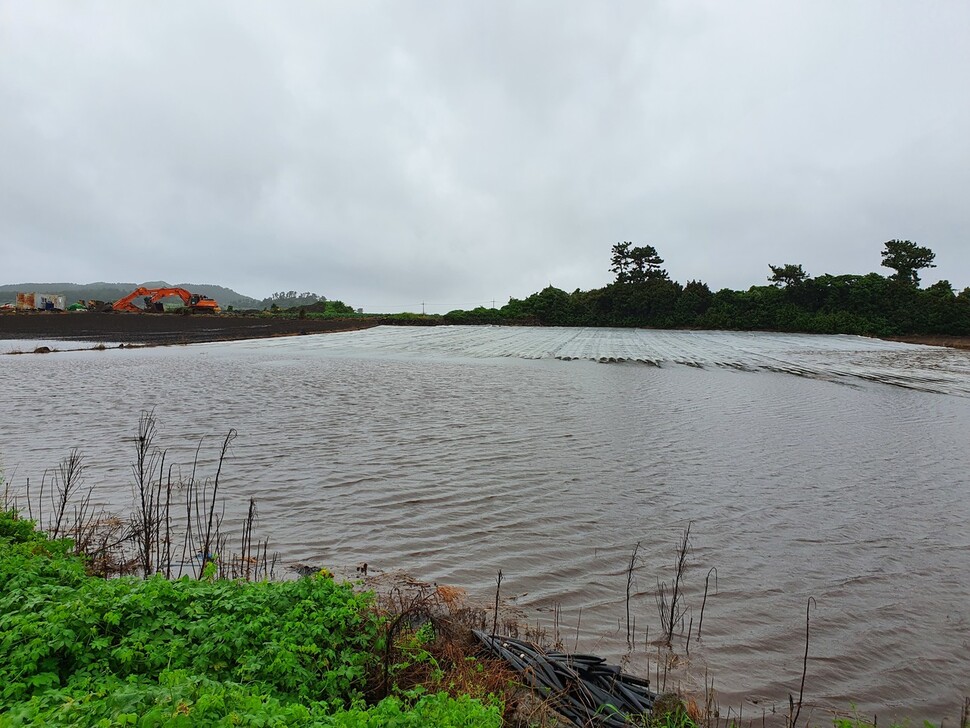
[[620, 262], [551, 307], [636, 264], [788, 275], [907, 258], [292, 299], [693, 302]]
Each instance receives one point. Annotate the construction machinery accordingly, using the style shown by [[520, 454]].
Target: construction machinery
[[195, 302]]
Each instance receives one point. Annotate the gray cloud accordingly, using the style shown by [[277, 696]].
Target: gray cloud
[[393, 153]]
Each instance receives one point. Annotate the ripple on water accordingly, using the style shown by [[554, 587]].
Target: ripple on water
[[455, 451]]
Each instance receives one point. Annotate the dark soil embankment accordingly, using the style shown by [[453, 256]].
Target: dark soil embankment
[[162, 328], [171, 328], [954, 342]]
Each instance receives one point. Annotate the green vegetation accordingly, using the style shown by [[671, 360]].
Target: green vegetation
[[76, 649], [642, 294], [304, 305], [907, 258], [291, 299], [326, 309]]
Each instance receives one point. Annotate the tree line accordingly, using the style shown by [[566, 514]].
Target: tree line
[[642, 294], [305, 303]]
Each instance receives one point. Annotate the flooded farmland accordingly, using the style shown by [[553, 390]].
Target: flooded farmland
[[827, 467]]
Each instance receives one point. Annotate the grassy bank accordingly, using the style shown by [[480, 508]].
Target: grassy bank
[[77, 649]]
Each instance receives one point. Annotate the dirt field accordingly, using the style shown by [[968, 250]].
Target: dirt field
[[954, 342], [149, 328], [168, 328]]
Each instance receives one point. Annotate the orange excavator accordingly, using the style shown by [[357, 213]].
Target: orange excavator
[[196, 302]]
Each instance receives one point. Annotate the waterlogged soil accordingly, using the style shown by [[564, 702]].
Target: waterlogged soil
[[809, 467], [162, 328], [956, 342]]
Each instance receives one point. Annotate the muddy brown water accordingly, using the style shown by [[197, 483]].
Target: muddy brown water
[[828, 467]]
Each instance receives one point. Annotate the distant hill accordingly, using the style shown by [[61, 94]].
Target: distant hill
[[108, 292]]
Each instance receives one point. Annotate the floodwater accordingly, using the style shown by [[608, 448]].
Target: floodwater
[[828, 467]]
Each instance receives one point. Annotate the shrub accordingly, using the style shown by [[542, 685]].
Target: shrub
[[79, 650]]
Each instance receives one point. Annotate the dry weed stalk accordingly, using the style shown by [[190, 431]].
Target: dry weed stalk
[[793, 710], [143, 544], [671, 609], [629, 584], [145, 520], [498, 590], [707, 581], [436, 623]]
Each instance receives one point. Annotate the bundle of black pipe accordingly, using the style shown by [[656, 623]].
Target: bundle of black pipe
[[583, 688]]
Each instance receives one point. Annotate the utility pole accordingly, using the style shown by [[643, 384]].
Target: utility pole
[[422, 308]]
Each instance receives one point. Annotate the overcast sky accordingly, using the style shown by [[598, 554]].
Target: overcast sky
[[389, 153]]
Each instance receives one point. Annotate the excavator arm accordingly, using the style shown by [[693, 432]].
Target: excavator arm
[[161, 293], [194, 301], [125, 304]]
